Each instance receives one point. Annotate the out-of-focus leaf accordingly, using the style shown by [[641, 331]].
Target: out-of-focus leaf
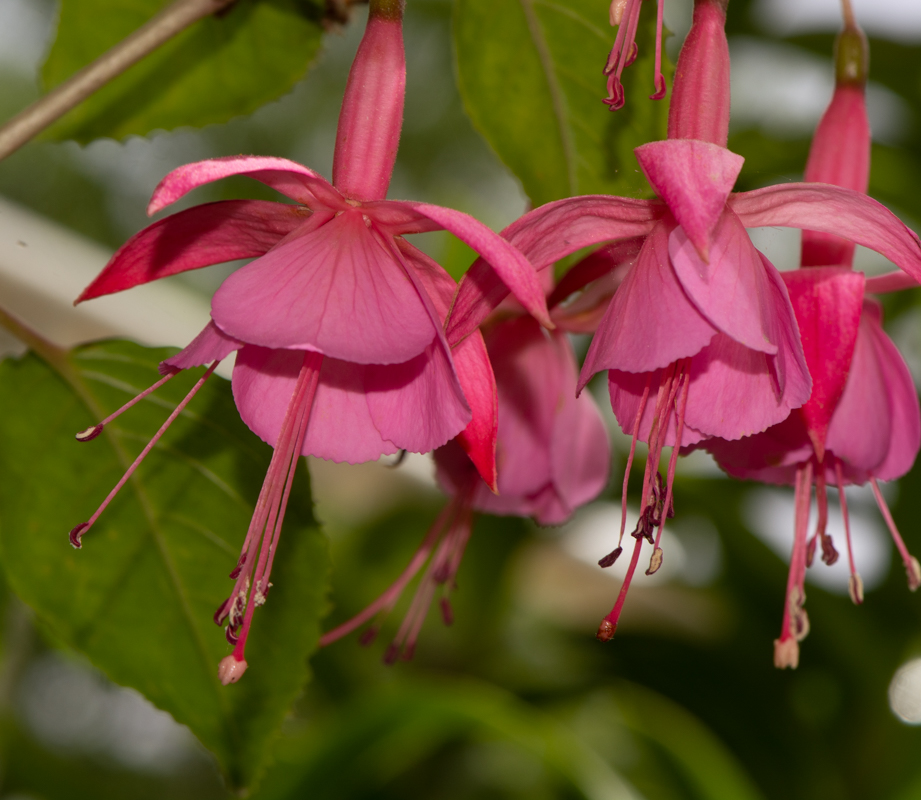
[[702, 759], [219, 68], [525, 74], [138, 599], [373, 742]]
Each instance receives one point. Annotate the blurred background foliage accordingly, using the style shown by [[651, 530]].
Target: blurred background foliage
[[516, 699]]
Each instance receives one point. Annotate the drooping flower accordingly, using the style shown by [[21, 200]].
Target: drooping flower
[[699, 339], [862, 421], [625, 15], [338, 322], [552, 456]]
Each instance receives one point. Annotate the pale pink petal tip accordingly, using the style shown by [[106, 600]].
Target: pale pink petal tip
[[231, 670]]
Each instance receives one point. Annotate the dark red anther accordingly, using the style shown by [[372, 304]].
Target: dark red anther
[[447, 613], [408, 652], [89, 434], [76, 533], [368, 636], [392, 654], [610, 558], [829, 553], [230, 634]]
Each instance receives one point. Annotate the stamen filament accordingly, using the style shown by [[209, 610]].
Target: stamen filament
[[636, 432], [855, 584], [910, 562], [609, 624], [77, 533]]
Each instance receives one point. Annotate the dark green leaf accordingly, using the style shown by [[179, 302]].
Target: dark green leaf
[[219, 68], [530, 76], [138, 598]]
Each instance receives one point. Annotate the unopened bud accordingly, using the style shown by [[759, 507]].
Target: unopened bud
[[655, 561], [855, 589], [786, 653], [230, 670]]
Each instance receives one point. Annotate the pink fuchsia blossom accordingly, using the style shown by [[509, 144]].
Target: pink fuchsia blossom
[[625, 15], [338, 323], [552, 455], [700, 339], [862, 421]]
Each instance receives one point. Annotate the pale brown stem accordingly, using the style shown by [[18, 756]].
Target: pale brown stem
[[163, 27]]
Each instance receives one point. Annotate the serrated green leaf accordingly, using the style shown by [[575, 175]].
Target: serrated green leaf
[[138, 599], [219, 68], [529, 73]]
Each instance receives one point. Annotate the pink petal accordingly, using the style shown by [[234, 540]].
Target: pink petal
[[861, 428], [650, 322], [770, 457], [603, 261], [529, 382], [336, 290], [546, 235], [479, 384], [694, 178], [340, 427], [418, 405], [432, 279], [734, 391], [288, 177], [626, 391], [198, 237], [731, 291], [905, 436], [510, 265], [831, 209], [827, 302], [212, 344], [894, 281], [372, 112], [580, 455]]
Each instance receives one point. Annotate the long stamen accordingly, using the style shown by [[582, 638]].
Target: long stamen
[[78, 531], [91, 433], [267, 521], [661, 88], [912, 567], [795, 623], [609, 624], [681, 406], [636, 432], [388, 599], [622, 54], [854, 584]]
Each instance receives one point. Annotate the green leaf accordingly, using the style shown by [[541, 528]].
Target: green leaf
[[219, 68], [529, 73], [138, 599]]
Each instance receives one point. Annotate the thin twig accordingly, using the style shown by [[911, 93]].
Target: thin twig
[[172, 20]]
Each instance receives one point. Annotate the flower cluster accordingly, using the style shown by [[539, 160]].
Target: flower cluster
[[350, 343]]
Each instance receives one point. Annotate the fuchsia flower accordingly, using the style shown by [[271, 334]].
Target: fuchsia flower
[[700, 339], [552, 455], [862, 421], [338, 323]]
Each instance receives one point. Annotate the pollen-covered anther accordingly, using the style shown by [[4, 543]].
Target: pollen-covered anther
[[89, 434], [655, 561], [605, 631], [260, 595], [230, 670], [913, 568], [76, 533], [786, 653], [855, 589]]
